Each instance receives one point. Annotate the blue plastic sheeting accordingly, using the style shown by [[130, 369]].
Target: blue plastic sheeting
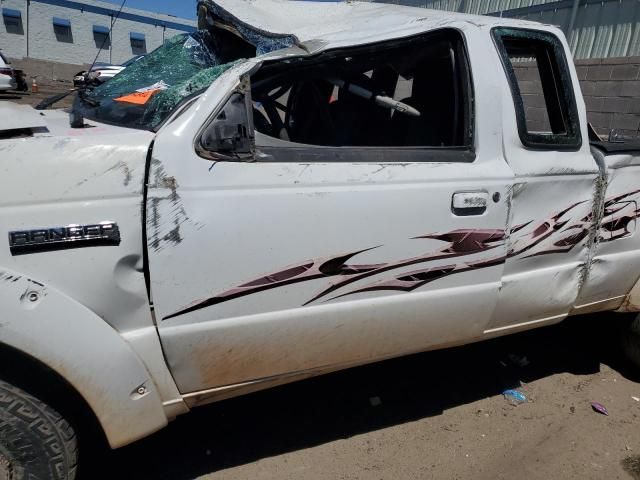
[[61, 22], [137, 36], [100, 29], [11, 13]]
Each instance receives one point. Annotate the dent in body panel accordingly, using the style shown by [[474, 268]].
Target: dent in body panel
[[620, 259], [542, 250], [66, 336], [82, 181], [558, 234], [595, 220], [611, 268]]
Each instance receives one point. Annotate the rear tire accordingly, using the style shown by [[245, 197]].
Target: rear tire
[[36, 442], [631, 342]]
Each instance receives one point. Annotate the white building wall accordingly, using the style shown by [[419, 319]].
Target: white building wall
[[11, 44], [82, 46]]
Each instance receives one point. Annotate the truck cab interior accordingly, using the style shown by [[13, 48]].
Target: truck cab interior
[[331, 99]]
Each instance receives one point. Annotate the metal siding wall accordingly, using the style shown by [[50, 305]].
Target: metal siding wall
[[607, 28], [634, 42]]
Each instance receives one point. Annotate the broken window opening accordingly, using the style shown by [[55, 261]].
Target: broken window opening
[[541, 87], [411, 93], [146, 93]]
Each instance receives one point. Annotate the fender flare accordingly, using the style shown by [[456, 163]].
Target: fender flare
[[87, 352]]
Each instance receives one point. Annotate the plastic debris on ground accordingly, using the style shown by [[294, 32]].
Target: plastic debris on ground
[[637, 399], [514, 397], [599, 408]]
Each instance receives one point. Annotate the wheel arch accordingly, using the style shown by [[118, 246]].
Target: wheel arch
[[34, 377], [72, 347]]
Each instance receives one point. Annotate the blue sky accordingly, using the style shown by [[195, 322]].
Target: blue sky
[[179, 8]]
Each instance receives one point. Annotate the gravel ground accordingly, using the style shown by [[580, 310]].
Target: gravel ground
[[434, 415]]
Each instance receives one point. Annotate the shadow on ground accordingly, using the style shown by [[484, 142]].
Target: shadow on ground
[[312, 412], [11, 96]]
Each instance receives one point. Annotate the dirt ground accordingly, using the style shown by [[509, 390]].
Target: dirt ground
[[436, 415]]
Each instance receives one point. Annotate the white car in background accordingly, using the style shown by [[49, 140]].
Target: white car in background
[[101, 72], [7, 75]]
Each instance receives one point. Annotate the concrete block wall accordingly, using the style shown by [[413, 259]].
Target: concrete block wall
[[611, 91], [83, 45], [532, 96]]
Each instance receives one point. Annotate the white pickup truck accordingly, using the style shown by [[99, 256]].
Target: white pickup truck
[[295, 188]]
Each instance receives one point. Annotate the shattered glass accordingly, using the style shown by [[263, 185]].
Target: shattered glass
[[163, 103], [145, 93]]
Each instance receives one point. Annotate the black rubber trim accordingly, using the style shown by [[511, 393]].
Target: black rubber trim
[[374, 155], [571, 138], [608, 147]]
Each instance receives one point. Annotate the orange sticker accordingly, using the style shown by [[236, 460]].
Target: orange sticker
[[138, 98]]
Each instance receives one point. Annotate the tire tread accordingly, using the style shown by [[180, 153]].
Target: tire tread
[[29, 423]]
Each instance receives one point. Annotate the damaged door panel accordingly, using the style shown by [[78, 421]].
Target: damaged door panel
[[368, 254], [616, 258], [556, 186]]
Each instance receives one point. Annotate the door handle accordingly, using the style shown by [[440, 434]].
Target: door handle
[[465, 204]]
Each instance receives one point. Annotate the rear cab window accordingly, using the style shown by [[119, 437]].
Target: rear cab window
[[543, 93]]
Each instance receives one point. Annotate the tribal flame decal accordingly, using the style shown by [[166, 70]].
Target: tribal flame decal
[[619, 213], [304, 272], [563, 235]]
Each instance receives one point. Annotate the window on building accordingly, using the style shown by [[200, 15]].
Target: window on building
[[101, 36], [138, 43], [538, 73], [62, 29], [13, 21]]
